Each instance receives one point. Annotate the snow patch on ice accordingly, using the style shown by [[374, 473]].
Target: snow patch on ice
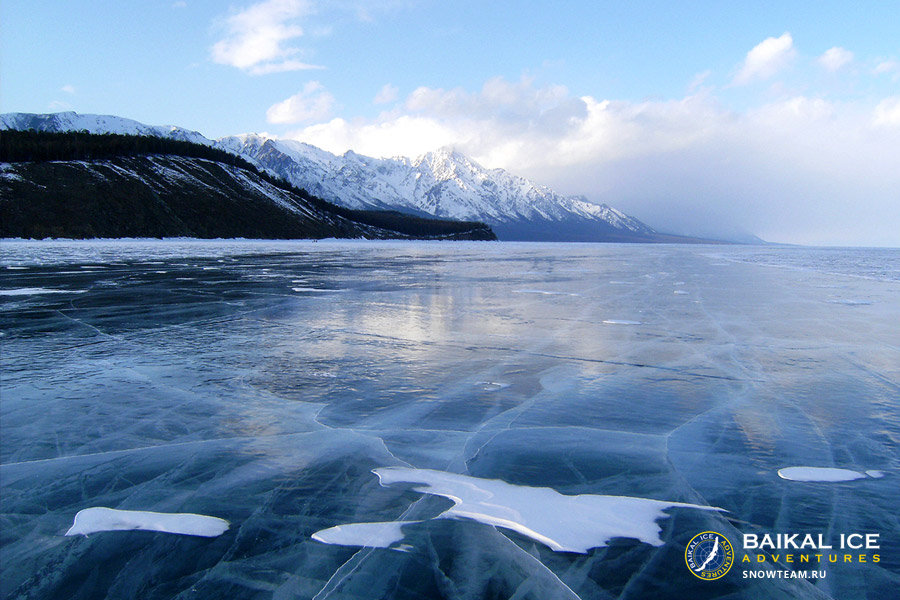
[[819, 474], [35, 291], [544, 293], [492, 386], [92, 520], [366, 535], [562, 523], [850, 302]]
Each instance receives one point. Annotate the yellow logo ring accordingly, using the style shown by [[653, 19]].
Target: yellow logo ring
[[709, 555]]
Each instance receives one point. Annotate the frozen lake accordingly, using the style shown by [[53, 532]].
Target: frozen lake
[[441, 420]]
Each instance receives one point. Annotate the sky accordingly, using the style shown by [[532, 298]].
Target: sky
[[781, 119]]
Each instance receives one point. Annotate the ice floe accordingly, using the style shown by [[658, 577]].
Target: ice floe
[[561, 522], [92, 520]]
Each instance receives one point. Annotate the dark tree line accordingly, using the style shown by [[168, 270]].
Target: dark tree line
[[31, 145]]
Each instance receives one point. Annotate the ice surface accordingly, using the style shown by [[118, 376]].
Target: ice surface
[[216, 388], [92, 520]]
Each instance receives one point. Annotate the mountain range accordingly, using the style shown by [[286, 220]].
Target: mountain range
[[77, 184], [443, 184]]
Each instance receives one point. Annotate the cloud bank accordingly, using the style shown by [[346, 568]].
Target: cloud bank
[[793, 166]]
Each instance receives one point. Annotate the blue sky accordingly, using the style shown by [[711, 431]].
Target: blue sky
[[753, 115]]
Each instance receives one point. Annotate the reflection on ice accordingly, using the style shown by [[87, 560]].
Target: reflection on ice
[[562, 523], [92, 520]]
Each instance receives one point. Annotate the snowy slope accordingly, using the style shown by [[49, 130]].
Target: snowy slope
[[443, 183], [170, 195], [70, 121]]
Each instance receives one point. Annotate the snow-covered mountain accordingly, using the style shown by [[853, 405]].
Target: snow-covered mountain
[[70, 121], [444, 183]]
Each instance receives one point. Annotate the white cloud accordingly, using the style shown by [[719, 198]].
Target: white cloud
[[258, 39], [698, 81], [387, 94], [402, 135], [312, 103], [59, 105], [835, 58], [68, 88], [887, 112], [766, 59], [887, 66], [800, 169]]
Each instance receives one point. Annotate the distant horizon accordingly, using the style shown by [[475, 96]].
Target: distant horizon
[[712, 240], [780, 120]]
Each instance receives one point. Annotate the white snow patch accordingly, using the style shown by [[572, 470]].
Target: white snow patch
[[492, 386], [545, 293], [366, 535], [620, 322], [92, 520], [35, 291], [819, 474], [563, 523]]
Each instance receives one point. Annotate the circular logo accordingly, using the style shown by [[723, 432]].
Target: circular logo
[[709, 555]]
